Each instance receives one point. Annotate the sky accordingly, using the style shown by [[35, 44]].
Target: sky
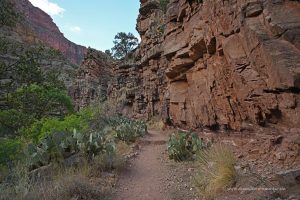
[[92, 23]]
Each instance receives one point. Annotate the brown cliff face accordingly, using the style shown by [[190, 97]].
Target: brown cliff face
[[46, 31], [92, 80], [216, 63]]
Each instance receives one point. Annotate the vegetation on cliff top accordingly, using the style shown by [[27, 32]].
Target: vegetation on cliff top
[[123, 44]]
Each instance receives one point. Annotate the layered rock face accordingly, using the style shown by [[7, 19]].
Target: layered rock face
[[216, 63], [46, 31], [93, 79]]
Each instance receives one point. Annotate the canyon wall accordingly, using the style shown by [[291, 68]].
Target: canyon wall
[[45, 30], [215, 63], [92, 79]]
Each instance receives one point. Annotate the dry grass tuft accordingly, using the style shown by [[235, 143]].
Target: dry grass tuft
[[108, 163], [84, 182], [216, 170], [18, 186], [122, 148], [156, 124], [115, 161], [71, 187], [78, 182]]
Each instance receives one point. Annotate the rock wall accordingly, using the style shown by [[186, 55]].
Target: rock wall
[[45, 30], [93, 79], [216, 63]]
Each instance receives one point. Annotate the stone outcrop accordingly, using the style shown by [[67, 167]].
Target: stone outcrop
[[45, 30], [215, 63], [93, 79]]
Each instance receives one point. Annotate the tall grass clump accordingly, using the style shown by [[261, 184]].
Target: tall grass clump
[[216, 170], [156, 124]]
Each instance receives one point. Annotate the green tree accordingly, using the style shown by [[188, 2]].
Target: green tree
[[51, 79], [40, 101], [27, 71], [8, 15], [124, 44], [9, 150], [12, 120]]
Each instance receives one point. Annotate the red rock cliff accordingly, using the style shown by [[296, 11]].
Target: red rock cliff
[[216, 63], [92, 79], [43, 27]]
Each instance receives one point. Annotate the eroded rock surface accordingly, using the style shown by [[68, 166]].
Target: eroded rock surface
[[216, 63], [45, 30], [93, 79]]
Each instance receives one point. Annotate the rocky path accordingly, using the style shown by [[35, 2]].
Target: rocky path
[[151, 176]]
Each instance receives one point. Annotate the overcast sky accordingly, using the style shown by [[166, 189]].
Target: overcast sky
[[92, 23]]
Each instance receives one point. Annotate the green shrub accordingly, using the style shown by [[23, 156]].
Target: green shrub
[[17, 184], [12, 120], [57, 146], [10, 150], [182, 146], [128, 130], [45, 127], [39, 101], [42, 128], [94, 144]]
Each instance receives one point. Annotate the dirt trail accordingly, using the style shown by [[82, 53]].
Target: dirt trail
[[151, 176]]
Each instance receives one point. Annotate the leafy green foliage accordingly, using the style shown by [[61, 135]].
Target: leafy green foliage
[[94, 144], [128, 130], [29, 92], [27, 71], [12, 120], [52, 148], [182, 146], [42, 128], [60, 145], [39, 101], [8, 15], [123, 45], [55, 140], [9, 150]]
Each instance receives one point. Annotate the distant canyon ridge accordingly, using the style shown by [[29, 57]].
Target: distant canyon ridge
[[46, 31]]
